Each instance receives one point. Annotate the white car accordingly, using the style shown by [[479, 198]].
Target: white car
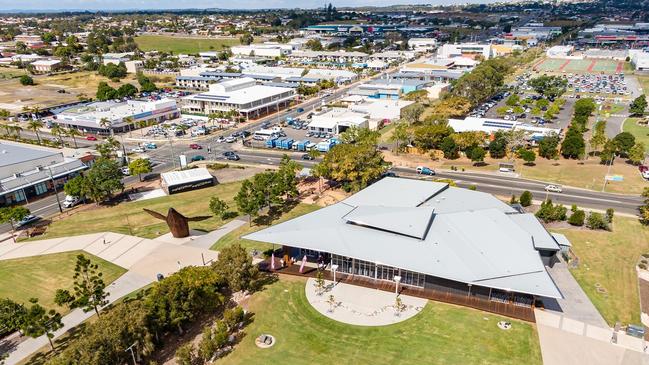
[[70, 201], [230, 139], [126, 171], [138, 150], [553, 188]]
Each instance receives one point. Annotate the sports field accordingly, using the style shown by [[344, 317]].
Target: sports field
[[178, 45], [560, 65]]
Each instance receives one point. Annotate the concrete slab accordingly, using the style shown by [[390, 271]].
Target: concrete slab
[[361, 306], [573, 326], [563, 348], [168, 258]]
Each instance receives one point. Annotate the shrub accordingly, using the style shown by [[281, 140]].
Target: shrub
[[185, 355], [551, 213], [596, 221], [513, 200], [26, 80], [526, 199], [577, 218], [232, 317], [609, 215]]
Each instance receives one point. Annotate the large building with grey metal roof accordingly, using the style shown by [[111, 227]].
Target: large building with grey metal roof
[[28, 173], [427, 235]]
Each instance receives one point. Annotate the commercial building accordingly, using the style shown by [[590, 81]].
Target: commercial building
[[492, 125], [422, 44], [28, 173], [559, 51], [639, 60], [262, 50], [191, 179], [116, 58], [340, 57], [430, 239], [388, 88], [123, 116], [338, 120], [43, 66], [470, 50], [243, 95]]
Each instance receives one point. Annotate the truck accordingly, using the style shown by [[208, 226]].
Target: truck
[[286, 144], [302, 145]]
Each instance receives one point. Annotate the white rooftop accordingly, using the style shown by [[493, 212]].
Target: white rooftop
[[239, 91], [185, 176], [426, 227]]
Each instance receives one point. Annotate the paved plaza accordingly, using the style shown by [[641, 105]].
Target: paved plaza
[[361, 306]]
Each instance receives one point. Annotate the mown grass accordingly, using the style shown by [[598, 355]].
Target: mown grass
[[130, 218], [178, 45], [440, 334], [40, 276], [608, 260], [262, 222]]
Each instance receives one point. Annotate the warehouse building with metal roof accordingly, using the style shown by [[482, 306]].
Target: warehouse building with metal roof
[[427, 236]]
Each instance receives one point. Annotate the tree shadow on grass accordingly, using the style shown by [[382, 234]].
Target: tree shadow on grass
[[60, 345], [274, 213]]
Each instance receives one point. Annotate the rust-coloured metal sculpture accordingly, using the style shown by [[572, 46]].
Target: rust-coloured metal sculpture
[[178, 223]]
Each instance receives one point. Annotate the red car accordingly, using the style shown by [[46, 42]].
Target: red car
[[195, 146], [91, 138]]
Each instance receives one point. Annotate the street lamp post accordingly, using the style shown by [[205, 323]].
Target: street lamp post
[[56, 191], [171, 148], [334, 267], [397, 280]]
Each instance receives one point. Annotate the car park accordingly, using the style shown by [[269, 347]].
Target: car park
[[423, 170], [553, 188]]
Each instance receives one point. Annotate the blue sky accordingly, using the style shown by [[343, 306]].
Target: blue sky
[[176, 4]]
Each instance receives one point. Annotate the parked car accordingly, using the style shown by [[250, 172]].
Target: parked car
[[138, 150], [553, 188], [126, 171], [150, 146], [197, 158], [230, 139], [91, 138], [423, 170], [221, 139], [70, 201], [27, 220], [195, 146]]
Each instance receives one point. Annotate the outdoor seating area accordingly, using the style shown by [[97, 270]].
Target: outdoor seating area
[[502, 307]]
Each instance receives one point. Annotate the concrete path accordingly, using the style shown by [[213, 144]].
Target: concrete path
[[361, 306], [203, 240], [143, 258], [124, 285], [565, 341], [575, 304]]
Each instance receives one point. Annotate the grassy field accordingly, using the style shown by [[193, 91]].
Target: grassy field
[[440, 334], [8, 73], [641, 133], [118, 218], [587, 174], [608, 259], [178, 45], [40, 276], [235, 236], [644, 83]]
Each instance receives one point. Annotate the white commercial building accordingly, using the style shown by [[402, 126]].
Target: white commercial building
[[471, 50], [559, 51], [46, 65], [123, 116], [329, 56], [242, 95], [639, 60], [422, 44], [261, 50], [337, 120], [490, 126]]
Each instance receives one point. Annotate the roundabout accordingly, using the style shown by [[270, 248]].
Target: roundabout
[[361, 306]]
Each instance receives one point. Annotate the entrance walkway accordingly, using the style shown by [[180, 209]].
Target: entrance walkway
[[361, 306], [144, 258]]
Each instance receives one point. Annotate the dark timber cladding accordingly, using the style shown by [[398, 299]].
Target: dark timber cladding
[[440, 242]]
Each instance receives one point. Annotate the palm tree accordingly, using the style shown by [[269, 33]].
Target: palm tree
[[129, 123], [142, 124], [108, 124], [73, 132], [17, 129], [34, 125], [212, 117], [58, 131]]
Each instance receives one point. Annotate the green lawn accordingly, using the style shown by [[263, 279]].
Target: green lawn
[[235, 236], [40, 276], [640, 132], [609, 259], [179, 45], [440, 334], [120, 217]]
